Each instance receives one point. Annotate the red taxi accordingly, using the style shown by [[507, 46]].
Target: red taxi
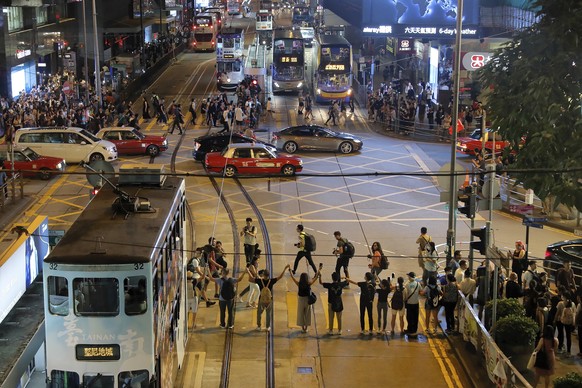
[[130, 141], [473, 143], [256, 159], [30, 163]]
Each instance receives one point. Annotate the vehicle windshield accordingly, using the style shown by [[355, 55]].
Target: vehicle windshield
[[30, 154], [137, 133], [90, 135]]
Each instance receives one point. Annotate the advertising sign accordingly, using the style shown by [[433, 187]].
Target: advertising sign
[[472, 61]]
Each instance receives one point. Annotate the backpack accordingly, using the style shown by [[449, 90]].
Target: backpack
[[310, 243], [349, 249], [227, 290], [384, 262], [266, 296], [535, 278], [398, 299], [568, 315], [433, 297]]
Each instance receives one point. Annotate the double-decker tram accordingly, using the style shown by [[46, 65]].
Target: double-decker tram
[[288, 61], [333, 68], [264, 27], [204, 32], [229, 58], [233, 7], [115, 290]]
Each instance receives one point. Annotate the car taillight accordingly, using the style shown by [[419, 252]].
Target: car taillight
[[275, 137], [548, 254], [212, 43]]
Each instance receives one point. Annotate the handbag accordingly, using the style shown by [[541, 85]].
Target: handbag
[[532, 360], [312, 298]]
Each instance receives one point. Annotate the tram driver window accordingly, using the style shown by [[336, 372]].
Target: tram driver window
[[134, 379], [96, 296], [58, 294], [135, 295]]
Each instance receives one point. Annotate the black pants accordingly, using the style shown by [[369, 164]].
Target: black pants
[[412, 318], [568, 328], [226, 305], [301, 254], [450, 314], [366, 306], [249, 252], [342, 262]]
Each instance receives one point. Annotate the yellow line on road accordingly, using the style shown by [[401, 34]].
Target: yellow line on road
[[441, 358]]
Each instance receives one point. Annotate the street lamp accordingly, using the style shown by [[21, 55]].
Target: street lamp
[[96, 50], [85, 54]]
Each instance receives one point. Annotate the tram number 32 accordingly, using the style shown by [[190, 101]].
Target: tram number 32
[[137, 266]]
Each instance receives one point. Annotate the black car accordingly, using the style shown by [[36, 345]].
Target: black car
[[557, 252], [217, 142]]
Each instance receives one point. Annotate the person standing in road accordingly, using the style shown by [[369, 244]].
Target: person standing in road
[[343, 256], [367, 292], [249, 234], [303, 292], [227, 296], [411, 299], [192, 110], [382, 306], [302, 251], [397, 305], [267, 305], [376, 257], [335, 304], [178, 119], [422, 242], [518, 262]]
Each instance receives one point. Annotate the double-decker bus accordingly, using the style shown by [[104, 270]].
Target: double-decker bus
[[302, 15], [333, 68], [266, 5], [204, 28], [115, 290], [229, 58], [288, 61], [233, 7], [264, 27]]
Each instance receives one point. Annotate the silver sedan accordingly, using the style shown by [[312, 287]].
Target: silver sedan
[[315, 138]]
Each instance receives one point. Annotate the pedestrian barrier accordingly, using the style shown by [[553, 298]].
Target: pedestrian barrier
[[499, 368]]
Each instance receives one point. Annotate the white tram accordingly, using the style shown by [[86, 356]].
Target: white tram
[[115, 291]]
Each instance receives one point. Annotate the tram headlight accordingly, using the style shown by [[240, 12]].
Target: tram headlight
[[300, 84], [349, 92], [318, 91], [276, 84]]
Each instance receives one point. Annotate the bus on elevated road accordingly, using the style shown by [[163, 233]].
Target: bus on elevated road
[[333, 68], [288, 61]]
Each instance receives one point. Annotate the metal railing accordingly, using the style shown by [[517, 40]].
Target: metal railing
[[8, 189]]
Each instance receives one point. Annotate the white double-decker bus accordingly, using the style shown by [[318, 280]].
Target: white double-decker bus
[[264, 27], [204, 32]]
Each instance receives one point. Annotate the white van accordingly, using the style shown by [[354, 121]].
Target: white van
[[72, 144]]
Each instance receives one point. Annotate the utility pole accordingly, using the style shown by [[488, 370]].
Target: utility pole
[[451, 231], [97, 62]]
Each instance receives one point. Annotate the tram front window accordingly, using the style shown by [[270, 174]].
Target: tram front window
[[58, 294], [134, 379], [64, 379], [135, 295], [96, 296], [97, 380]]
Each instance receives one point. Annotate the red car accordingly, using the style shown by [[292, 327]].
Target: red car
[[256, 159], [473, 144], [130, 141], [30, 163]]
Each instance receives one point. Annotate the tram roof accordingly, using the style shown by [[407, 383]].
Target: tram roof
[[231, 31], [333, 39], [99, 237], [287, 33]]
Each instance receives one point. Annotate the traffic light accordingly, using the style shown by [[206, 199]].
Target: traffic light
[[469, 200], [481, 234]]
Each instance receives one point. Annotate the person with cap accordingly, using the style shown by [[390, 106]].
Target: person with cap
[[411, 300]]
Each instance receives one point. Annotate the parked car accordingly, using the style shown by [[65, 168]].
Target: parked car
[[256, 159], [70, 143], [473, 144], [217, 142], [30, 163], [557, 252], [130, 141], [316, 138]]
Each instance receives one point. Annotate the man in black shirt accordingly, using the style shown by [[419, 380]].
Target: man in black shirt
[[334, 300]]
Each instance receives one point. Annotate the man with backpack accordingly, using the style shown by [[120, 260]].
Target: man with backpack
[[531, 275], [227, 295], [344, 251], [305, 246], [266, 284]]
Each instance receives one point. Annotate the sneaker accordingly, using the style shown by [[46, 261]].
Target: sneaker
[[363, 332], [330, 332], [339, 332], [231, 327], [269, 328], [560, 350], [216, 296], [209, 303], [579, 354], [259, 328], [223, 326]]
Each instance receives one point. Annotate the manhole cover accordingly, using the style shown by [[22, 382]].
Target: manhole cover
[[304, 370]]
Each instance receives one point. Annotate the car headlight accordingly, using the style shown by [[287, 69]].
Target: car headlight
[[300, 84], [165, 143], [59, 166], [318, 91], [276, 84]]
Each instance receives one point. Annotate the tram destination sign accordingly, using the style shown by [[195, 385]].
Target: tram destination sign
[[97, 352]]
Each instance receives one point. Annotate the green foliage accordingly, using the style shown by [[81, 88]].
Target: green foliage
[[516, 330], [535, 101], [571, 380], [506, 307]]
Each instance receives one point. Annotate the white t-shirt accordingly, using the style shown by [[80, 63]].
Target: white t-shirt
[[195, 264]]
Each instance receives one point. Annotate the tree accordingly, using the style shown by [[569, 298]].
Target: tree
[[535, 100]]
